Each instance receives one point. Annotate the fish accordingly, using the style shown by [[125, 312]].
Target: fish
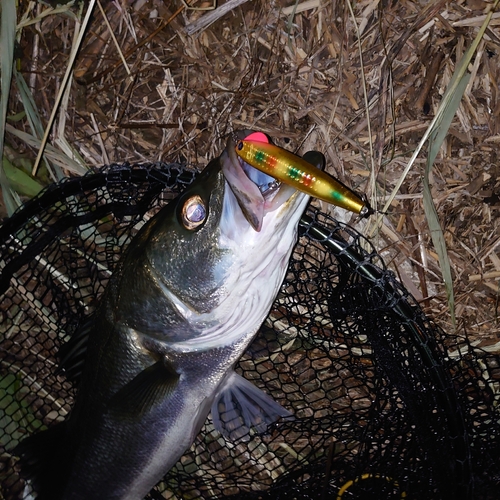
[[283, 165], [184, 303]]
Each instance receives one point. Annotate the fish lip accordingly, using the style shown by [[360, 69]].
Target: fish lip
[[254, 201], [268, 189]]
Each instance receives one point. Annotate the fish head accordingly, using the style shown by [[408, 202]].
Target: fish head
[[227, 236]]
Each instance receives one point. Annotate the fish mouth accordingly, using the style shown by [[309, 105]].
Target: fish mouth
[[256, 192]]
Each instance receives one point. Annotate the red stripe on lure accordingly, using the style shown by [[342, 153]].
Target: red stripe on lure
[[291, 169]]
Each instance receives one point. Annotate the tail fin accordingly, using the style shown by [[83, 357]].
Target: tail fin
[[46, 461]]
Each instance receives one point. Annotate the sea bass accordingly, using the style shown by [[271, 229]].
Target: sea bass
[[184, 303]]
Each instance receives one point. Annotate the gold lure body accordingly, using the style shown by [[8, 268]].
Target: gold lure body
[[295, 171]]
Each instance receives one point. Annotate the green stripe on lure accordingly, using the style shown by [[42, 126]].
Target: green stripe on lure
[[258, 152]]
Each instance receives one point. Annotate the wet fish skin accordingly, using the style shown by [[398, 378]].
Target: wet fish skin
[[180, 309]]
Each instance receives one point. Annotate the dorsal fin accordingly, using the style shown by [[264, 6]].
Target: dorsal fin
[[73, 353]]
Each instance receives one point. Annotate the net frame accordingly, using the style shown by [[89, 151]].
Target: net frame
[[386, 404]]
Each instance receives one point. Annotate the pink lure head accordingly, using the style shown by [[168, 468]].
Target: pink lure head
[[257, 137]]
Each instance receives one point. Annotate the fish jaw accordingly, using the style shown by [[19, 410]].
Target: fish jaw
[[256, 192]]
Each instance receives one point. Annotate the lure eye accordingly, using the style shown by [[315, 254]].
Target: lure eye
[[239, 146], [193, 212]]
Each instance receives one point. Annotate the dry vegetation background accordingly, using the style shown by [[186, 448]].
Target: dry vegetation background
[[154, 80]]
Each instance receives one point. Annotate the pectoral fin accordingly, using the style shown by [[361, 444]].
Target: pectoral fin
[[145, 390], [240, 406]]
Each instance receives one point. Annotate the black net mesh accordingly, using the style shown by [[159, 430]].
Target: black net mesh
[[386, 405]]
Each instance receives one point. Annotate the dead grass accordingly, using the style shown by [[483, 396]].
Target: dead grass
[[170, 86]]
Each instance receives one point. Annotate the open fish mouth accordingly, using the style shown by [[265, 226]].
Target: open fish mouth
[[268, 186], [257, 193]]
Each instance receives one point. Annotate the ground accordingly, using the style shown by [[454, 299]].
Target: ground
[[359, 81]]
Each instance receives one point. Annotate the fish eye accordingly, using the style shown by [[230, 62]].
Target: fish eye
[[193, 212]]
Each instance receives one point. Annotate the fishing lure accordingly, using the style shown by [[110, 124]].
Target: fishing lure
[[295, 171]]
